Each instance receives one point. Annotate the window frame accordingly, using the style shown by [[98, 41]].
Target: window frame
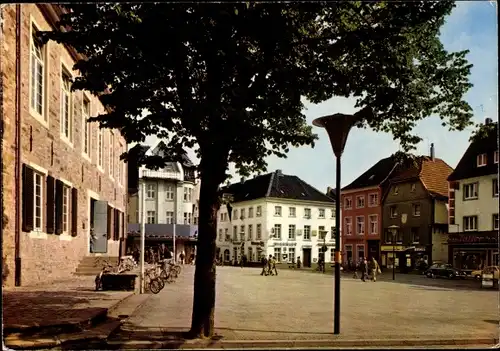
[[495, 221], [465, 218], [169, 217], [258, 211], [250, 232], [414, 208], [150, 188], [307, 229], [348, 200], [364, 225], [370, 204], [278, 211], [86, 127], [475, 187], [393, 211], [100, 149], [111, 151], [348, 225], [258, 231], [494, 184], [292, 231], [371, 221], [481, 160], [321, 213], [153, 216], [169, 192], [41, 187], [292, 212], [307, 213], [42, 117], [66, 73], [66, 209], [359, 197], [495, 157], [277, 228]]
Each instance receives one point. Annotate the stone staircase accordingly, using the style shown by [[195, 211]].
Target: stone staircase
[[92, 265]]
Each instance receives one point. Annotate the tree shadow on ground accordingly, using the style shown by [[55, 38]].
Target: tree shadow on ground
[[271, 331]]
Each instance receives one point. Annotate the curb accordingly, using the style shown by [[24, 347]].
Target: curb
[[261, 344]]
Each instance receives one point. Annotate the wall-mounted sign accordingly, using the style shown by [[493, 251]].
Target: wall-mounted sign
[[307, 246], [329, 244], [392, 248], [472, 239], [285, 244]]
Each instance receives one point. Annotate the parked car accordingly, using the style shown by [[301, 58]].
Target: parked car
[[476, 274], [444, 270]]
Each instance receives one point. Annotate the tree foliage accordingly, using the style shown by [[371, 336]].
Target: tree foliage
[[230, 79]]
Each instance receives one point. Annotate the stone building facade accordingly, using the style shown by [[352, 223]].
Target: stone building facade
[[64, 186]]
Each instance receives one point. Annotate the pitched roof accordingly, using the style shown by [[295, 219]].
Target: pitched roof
[[277, 185], [467, 166], [375, 175], [432, 172]]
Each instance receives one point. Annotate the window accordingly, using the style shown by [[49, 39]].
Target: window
[[250, 232], [495, 157], [87, 136], [151, 191], [373, 200], [321, 213], [415, 236], [37, 79], [307, 232], [470, 191], [333, 231], [250, 212], [277, 211], [348, 225], [226, 234], [188, 194], [259, 211], [170, 217], [413, 187], [259, 231], [242, 216], [187, 217], [470, 223], [333, 213], [111, 154], [291, 254], [277, 254], [151, 217], [307, 213], [277, 231], [393, 211], [495, 187], [481, 160], [235, 214], [220, 234], [169, 192], [291, 212], [361, 251], [373, 224], [66, 120], [65, 209], [416, 210], [100, 147], [360, 201], [222, 217], [495, 221], [348, 203], [322, 232], [235, 233], [37, 205], [242, 233], [395, 190], [291, 231], [360, 225]]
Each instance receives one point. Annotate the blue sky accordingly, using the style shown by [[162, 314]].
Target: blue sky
[[472, 25]]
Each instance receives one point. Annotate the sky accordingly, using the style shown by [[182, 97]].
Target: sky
[[472, 25]]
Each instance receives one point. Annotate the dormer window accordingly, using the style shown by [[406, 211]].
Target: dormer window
[[495, 157], [481, 160]]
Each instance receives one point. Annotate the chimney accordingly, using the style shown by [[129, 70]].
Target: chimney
[[242, 180], [488, 120], [278, 172], [328, 190], [432, 151]]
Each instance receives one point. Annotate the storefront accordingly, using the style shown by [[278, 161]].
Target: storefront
[[390, 255], [417, 256], [471, 252]]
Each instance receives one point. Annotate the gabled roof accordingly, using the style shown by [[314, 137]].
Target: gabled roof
[[433, 174], [375, 175], [275, 185], [160, 150], [467, 166]]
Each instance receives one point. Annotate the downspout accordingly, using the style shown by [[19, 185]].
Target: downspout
[[17, 237], [431, 227]]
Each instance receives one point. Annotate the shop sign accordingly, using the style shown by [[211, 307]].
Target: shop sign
[[421, 249], [285, 244], [307, 246], [392, 248], [327, 244], [257, 243], [472, 239]]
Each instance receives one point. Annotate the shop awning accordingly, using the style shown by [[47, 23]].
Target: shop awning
[[164, 231]]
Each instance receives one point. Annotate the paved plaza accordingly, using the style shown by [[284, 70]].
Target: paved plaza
[[299, 306]]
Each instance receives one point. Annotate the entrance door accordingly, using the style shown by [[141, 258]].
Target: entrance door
[[307, 257], [99, 227]]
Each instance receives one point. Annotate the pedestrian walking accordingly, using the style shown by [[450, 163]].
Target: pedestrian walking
[[264, 266], [374, 269], [273, 266], [363, 267], [181, 257]]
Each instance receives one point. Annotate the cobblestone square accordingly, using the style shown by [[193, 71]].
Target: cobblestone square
[[299, 305]]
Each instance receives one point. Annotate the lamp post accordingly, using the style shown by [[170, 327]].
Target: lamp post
[[338, 126], [394, 231]]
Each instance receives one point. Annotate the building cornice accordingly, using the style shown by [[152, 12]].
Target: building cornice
[[352, 191], [300, 202]]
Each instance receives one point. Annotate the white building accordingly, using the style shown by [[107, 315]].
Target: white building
[[473, 205], [276, 214]]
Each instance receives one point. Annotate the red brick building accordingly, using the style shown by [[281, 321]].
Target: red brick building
[[64, 187], [362, 212]]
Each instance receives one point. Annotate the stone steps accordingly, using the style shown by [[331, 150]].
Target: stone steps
[[92, 265]]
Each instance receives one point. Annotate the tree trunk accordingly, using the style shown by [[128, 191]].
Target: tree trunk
[[202, 323]]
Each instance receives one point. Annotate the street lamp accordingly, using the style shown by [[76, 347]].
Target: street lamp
[[338, 126], [394, 231]]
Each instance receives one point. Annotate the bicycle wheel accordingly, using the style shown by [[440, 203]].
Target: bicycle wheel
[[155, 286], [177, 269], [163, 274]]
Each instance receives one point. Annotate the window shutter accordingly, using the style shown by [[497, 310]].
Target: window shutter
[[116, 231], [59, 206], [122, 225], [74, 212], [110, 221], [28, 195], [50, 222]]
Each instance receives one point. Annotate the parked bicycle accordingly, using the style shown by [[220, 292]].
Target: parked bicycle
[[153, 280], [169, 271], [106, 268]]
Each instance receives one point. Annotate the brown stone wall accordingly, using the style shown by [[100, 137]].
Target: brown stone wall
[[49, 256]]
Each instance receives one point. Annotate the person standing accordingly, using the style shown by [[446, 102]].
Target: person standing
[[181, 257], [374, 269], [264, 265], [363, 267], [273, 267]]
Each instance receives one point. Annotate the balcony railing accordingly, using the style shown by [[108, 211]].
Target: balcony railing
[[161, 174]]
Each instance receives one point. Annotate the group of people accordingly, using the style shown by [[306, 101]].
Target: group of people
[[368, 269], [269, 266], [159, 253]]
